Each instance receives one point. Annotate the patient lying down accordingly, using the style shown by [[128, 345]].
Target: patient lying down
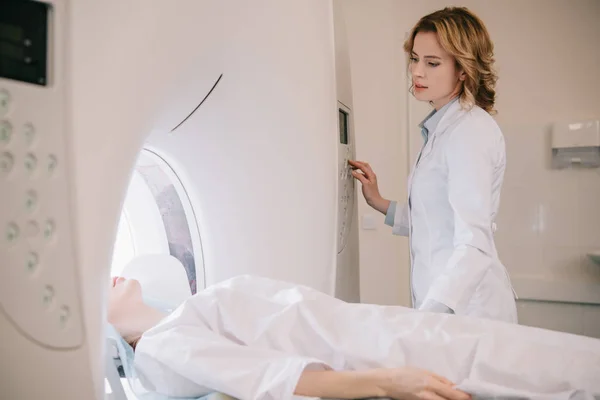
[[257, 338]]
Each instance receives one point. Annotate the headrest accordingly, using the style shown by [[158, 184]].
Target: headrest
[[124, 351], [165, 286], [124, 358], [162, 278]]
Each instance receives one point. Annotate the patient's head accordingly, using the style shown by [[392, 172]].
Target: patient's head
[[127, 311], [124, 298]]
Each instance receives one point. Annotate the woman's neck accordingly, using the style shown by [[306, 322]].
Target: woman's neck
[[439, 104]]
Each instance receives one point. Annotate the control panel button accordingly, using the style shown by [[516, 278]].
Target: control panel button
[[4, 102], [32, 262], [6, 131], [48, 296], [29, 133], [49, 229], [31, 200], [30, 163], [32, 229], [52, 163], [11, 232], [64, 316], [7, 162]]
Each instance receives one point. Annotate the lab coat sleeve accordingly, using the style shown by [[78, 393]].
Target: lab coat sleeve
[[397, 218], [471, 156], [181, 357]]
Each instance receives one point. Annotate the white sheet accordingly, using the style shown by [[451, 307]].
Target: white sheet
[[251, 338]]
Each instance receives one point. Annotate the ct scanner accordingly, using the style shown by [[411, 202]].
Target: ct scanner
[[250, 103]]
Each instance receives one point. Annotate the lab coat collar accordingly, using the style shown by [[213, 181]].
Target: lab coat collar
[[452, 114], [447, 118], [432, 120]]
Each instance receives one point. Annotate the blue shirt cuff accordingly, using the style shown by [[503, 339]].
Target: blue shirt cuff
[[391, 213]]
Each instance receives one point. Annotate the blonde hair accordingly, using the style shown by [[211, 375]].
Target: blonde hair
[[464, 36]]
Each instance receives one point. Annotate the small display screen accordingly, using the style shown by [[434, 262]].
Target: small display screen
[[11, 32], [343, 126], [10, 50], [24, 41]]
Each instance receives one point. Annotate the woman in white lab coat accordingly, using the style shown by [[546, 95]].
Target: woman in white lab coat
[[454, 186]]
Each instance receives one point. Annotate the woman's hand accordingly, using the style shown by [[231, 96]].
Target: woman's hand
[[416, 384], [362, 171]]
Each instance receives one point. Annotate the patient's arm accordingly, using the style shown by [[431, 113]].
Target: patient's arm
[[338, 384], [396, 383], [183, 357]]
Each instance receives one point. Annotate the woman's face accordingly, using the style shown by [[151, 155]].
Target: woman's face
[[124, 299], [434, 74]]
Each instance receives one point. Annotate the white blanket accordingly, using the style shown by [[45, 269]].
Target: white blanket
[[252, 337]]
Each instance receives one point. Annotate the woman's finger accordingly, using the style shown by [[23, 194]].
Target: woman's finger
[[356, 164], [364, 167], [361, 177]]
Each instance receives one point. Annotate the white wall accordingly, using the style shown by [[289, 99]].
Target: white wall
[[549, 71], [378, 83]]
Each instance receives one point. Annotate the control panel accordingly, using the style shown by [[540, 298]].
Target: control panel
[[38, 275], [346, 151]]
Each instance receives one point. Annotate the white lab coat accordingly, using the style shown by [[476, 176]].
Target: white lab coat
[[252, 337], [454, 194]]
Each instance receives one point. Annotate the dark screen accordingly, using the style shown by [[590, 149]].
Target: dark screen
[[24, 41], [343, 126]]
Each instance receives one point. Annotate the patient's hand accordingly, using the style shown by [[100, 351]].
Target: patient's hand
[[416, 384]]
